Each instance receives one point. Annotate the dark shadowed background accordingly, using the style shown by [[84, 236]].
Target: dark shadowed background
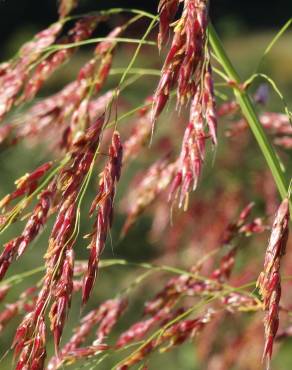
[[253, 15]]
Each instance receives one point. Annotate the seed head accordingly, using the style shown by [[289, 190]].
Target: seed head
[[103, 205], [269, 281]]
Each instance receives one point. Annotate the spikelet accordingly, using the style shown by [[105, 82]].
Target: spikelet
[[167, 10], [24, 303], [30, 343], [26, 184], [62, 297]]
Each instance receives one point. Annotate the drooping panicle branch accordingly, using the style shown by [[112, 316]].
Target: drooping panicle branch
[[154, 181], [26, 184], [103, 206], [173, 335], [14, 73], [187, 68], [81, 31], [16, 247], [183, 66], [105, 316], [18, 83], [269, 281]]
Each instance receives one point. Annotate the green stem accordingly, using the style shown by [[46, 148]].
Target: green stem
[[250, 114]]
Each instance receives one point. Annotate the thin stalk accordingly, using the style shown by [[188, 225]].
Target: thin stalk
[[250, 114]]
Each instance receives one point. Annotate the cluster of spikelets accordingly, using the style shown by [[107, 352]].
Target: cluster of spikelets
[[76, 118], [187, 68], [269, 281], [166, 312]]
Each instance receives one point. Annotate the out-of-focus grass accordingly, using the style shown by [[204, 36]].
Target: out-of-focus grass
[[246, 52]]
